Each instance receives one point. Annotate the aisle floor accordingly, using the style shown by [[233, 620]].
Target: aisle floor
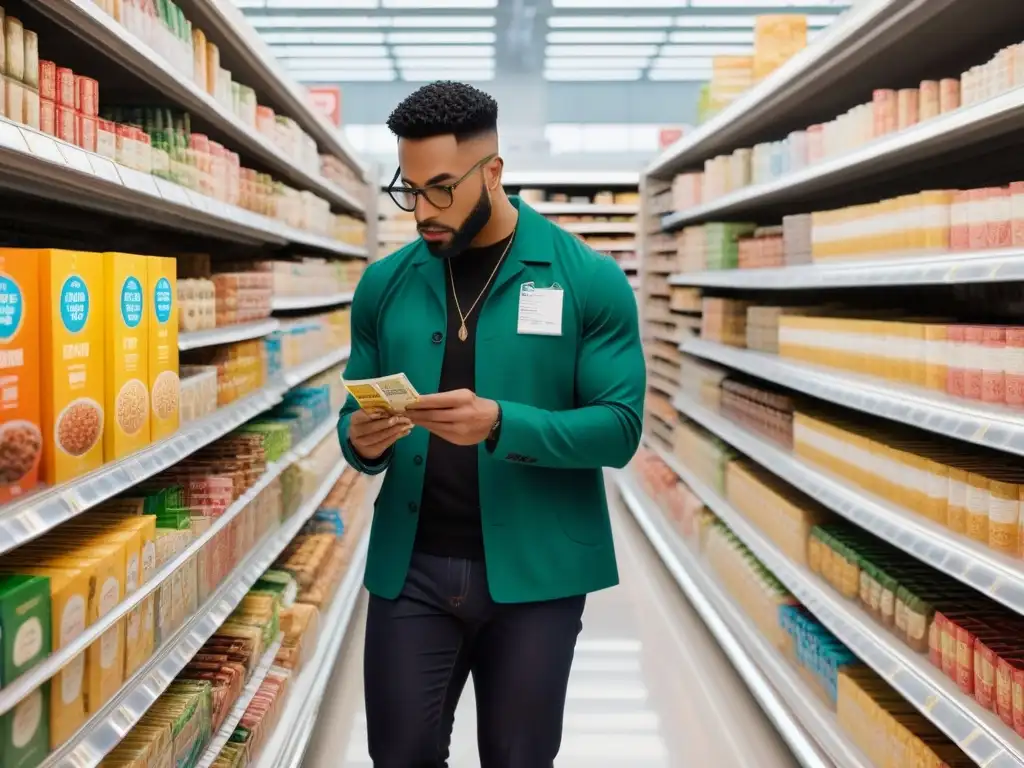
[[649, 687]]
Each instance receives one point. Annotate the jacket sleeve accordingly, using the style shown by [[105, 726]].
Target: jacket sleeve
[[611, 378], [363, 363]]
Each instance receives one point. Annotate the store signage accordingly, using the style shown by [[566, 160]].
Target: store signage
[[669, 136], [327, 99]]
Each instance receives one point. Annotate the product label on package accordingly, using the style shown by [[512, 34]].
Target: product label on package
[[389, 393], [131, 302], [162, 299], [74, 304], [10, 308]]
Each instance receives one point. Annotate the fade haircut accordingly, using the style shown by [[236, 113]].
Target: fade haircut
[[443, 108]]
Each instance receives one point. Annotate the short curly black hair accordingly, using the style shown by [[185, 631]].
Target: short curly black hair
[[444, 108]]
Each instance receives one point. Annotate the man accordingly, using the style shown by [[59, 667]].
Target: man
[[492, 525]]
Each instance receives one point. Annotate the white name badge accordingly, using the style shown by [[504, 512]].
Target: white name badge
[[540, 310]]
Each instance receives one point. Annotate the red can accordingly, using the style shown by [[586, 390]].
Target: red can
[[65, 87], [977, 219], [47, 80], [956, 371], [959, 232], [87, 96], [67, 125], [974, 353], [993, 371], [47, 117], [106, 138], [87, 132], [1000, 232]]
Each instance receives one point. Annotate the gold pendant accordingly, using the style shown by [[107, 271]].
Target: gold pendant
[[463, 333]]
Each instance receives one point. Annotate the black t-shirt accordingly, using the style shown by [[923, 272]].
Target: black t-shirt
[[449, 524]]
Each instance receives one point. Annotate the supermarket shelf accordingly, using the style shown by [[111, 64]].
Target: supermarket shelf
[[299, 374], [853, 42], [568, 179], [995, 266], [287, 746], [979, 733], [934, 138], [585, 209], [600, 227], [998, 576], [88, 21], [628, 246], [42, 511], [220, 739], [107, 727], [997, 427], [253, 63], [630, 265], [33, 163], [281, 303], [311, 441], [806, 725], [227, 334]]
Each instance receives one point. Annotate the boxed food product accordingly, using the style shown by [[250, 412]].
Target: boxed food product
[[24, 731], [24, 624], [21, 439], [127, 359], [72, 371], [163, 347]]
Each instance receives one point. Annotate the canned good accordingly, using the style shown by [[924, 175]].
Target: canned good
[[14, 39], [30, 116], [47, 80], [31, 77], [65, 87], [86, 132], [67, 125], [106, 138], [47, 116], [14, 99], [87, 99]]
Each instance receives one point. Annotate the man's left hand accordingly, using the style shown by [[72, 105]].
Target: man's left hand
[[459, 416]]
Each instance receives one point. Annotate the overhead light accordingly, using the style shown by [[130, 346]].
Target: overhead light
[[707, 50], [599, 38], [699, 36], [584, 75], [465, 65], [595, 63], [685, 62], [680, 75], [609, 22], [429, 76], [590, 51], [323, 38], [299, 22], [819, 5], [739, 22], [443, 22], [439, 3], [337, 62], [441, 38], [443, 51], [326, 51], [345, 75]]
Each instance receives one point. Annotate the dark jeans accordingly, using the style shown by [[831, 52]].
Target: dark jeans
[[422, 646]]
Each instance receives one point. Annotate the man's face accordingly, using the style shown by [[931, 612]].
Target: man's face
[[441, 160]]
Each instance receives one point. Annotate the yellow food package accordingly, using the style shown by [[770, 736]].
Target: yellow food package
[[70, 600], [126, 339], [164, 385], [71, 342]]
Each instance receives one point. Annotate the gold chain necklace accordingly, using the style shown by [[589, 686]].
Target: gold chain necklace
[[463, 332]]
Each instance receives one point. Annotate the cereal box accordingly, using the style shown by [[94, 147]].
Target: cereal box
[[164, 385], [71, 342], [127, 354], [21, 439]]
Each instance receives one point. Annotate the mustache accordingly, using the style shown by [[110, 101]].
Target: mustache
[[432, 227]]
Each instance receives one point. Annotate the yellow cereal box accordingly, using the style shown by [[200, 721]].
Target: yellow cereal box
[[164, 386], [126, 338], [71, 321]]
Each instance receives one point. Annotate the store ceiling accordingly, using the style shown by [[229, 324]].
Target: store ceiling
[[330, 41]]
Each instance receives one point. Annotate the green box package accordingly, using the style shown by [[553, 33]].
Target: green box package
[[24, 624], [25, 731]]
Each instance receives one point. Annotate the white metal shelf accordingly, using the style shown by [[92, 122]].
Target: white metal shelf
[[32, 162], [295, 376], [993, 426], [979, 733], [969, 126], [223, 735], [109, 37], [600, 227], [585, 209], [801, 718], [282, 303], [995, 266], [227, 334], [991, 573], [568, 179], [287, 746], [104, 730]]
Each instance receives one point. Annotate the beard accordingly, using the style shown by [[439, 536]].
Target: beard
[[466, 233]]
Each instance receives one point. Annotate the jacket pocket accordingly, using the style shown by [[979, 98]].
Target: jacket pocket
[[581, 522]]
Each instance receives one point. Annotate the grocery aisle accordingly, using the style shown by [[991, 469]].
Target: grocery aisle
[[649, 689]]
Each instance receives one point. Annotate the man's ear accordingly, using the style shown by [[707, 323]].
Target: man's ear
[[494, 171]]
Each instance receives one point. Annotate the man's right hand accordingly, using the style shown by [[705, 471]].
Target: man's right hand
[[373, 432]]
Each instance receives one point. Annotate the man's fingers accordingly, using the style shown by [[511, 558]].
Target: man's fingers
[[385, 437], [451, 399], [377, 425], [439, 416]]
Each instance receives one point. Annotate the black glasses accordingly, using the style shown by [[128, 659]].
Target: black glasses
[[440, 196]]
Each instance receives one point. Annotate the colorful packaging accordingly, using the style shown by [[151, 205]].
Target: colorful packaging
[[21, 437], [24, 731], [127, 354], [24, 624], [164, 384], [71, 313]]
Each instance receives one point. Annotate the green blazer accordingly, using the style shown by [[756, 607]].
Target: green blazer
[[571, 404]]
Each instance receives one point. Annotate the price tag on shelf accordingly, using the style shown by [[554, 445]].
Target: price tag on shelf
[[172, 192], [76, 158], [105, 169], [44, 147], [12, 137]]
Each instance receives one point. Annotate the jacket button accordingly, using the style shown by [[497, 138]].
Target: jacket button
[[417, 460], [437, 337], [412, 507]]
